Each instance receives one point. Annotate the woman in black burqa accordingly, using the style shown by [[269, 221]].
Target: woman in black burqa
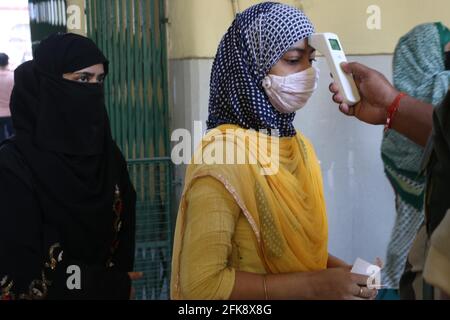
[[67, 206]]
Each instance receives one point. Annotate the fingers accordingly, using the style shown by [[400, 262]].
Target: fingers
[[347, 110], [356, 293], [135, 275], [334, 88], [357, 69], [337, 97], [379, 263], [360, 279], [364, 293], [369, 294], [374, 294]]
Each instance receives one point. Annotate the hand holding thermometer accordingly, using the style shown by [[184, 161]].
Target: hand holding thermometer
[[329, 45]]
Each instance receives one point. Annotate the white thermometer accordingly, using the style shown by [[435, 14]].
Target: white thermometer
[[329, 45]]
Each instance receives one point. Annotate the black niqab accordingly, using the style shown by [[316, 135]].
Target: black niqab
[[63, 133]]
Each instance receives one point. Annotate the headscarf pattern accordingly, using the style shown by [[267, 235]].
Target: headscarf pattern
[[254, 43]]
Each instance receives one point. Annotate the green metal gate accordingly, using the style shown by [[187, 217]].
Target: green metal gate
[[46, 17], [132, 34], [152, 180]]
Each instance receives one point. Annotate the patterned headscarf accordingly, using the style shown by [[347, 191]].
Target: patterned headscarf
[[419, 71], [254, 43]]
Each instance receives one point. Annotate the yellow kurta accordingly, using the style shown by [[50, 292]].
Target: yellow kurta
[[231, 218]]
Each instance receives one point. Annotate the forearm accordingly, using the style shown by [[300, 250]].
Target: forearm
[[414, 120], [288, 286], [334, 262]]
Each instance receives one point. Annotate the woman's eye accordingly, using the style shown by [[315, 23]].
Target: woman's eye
[[293, 61], [83, 79]]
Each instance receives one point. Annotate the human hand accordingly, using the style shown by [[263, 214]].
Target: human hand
[[375, 90], [341, 284], [133, 277]]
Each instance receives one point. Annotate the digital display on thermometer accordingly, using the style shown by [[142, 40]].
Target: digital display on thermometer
[[329, 45], [335, 44]]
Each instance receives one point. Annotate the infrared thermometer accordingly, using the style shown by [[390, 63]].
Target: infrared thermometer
[[329, 45]]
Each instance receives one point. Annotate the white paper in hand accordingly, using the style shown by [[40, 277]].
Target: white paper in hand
[[363, 267], [367, 269]]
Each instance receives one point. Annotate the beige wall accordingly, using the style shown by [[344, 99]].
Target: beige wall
[[196, 26]]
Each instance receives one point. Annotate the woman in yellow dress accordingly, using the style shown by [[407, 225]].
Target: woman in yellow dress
[[258, 230]]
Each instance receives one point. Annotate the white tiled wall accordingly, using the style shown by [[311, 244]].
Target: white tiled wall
[[359, 198]]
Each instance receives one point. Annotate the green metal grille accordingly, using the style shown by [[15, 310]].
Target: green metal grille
[[132, 34], [153, 236]]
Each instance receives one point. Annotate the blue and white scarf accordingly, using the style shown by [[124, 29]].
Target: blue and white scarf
[[255, 42]]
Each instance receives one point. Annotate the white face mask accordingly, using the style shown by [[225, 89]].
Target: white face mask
[[291, 93]]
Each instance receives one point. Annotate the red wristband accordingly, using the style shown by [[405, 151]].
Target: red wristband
[[392, 110]]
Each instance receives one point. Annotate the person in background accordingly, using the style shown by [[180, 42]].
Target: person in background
[[6, 86], [67, 202], [419, 71]]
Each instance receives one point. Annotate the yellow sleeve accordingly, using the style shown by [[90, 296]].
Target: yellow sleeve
[[437, 265], [211, 217]]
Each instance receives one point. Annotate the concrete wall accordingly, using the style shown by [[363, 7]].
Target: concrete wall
[[196, 26], [359, 198]]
